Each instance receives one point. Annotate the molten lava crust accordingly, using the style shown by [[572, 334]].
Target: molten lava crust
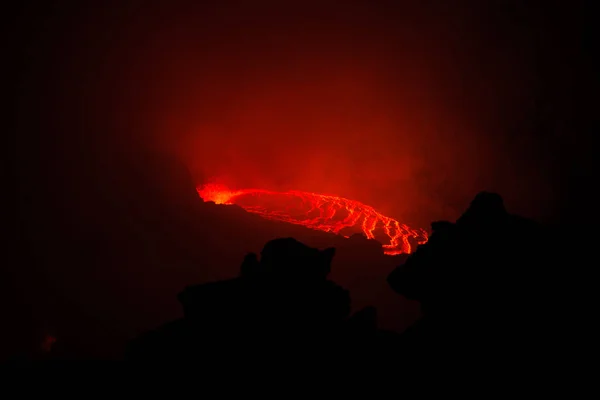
[[322, 212]]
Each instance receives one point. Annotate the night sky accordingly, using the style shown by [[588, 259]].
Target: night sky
[[411, 108]]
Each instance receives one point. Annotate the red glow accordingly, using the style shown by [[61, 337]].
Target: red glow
[[48, 342], [322, 212]]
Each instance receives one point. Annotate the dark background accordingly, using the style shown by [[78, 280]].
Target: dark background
[[409, 107]]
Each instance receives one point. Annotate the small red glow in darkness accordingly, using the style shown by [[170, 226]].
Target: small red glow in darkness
[[47, 343]]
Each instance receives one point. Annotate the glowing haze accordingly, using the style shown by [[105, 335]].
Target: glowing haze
[[322, 212], [409, 108], [396, 111]]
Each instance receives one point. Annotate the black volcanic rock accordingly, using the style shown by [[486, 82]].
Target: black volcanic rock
[[482, 242], [296, 258], [360, 240], [283, 298], [289, 272], [134, 222], [484, 282]]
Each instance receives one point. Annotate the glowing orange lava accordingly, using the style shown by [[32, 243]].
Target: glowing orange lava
[[321, 212]]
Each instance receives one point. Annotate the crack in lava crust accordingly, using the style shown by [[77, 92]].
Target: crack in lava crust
[[320, 212]]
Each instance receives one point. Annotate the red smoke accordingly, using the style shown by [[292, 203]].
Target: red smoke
[[410, 109], [347, 101], [322, 212]]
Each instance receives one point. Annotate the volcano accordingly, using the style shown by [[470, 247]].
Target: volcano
[[322, 212]]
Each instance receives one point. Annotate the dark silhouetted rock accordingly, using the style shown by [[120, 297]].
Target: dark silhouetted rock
[[483, 283], [282, 304]]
